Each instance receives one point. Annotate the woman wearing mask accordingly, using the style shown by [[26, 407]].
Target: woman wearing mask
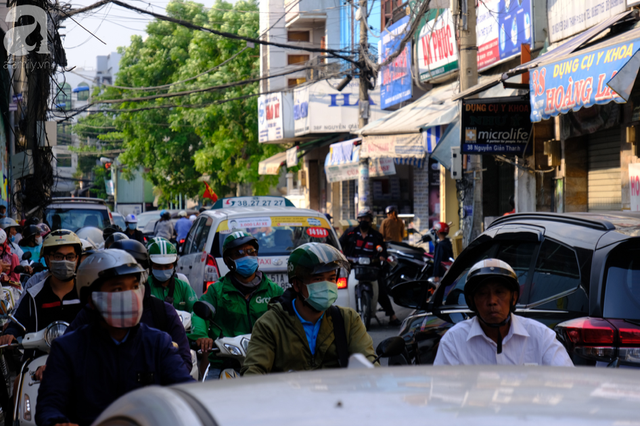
[[31, 241], [163, 281], [11, 228], [9, 261]]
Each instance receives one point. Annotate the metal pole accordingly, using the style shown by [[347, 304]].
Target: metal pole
[[363, 176]]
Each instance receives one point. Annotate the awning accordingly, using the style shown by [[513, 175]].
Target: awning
[[558, 53], [80, 89], [451, 137], [343, 163], [622, 83], [271, 166]]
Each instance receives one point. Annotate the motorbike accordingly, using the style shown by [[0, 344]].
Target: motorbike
[[24, 409], [185, 318], [367, 272], [232, 349]]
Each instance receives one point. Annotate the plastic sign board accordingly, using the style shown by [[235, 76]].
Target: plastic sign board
[[437, 47], [634, 186], [259, 201], [396, 84], [495, 126], [567, 18], [578, 81], [270, 117], [502, 27]]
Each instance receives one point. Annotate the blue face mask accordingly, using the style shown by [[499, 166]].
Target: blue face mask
[[132, 226], [162, 275], [322, 295], [247, 266], [12, 238]]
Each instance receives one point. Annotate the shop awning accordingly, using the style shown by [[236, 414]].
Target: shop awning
[[451, 137], [622, 83], [561, 52], [343, 161], [271, 166]]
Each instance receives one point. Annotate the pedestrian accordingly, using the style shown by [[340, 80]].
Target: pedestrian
[[496, 335], [392, 228]]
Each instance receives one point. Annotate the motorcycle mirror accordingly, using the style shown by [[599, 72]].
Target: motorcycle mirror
[[27, 255], [18, 269], [412, 294], [392, 346], [15, 321], [204, 310]]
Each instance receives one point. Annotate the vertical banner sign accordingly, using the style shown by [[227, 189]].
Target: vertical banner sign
[[502, 26], [396, 77], [270, 119], [578, 81], [437, 47], [634, 186], [567, 18], [495, 126]]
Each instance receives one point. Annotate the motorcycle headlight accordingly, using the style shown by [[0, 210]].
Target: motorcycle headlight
[[245, 344], [55, 330], [234, 350]]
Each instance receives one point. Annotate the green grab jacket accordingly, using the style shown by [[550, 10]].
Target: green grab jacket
[[183, 296], [279, 343]]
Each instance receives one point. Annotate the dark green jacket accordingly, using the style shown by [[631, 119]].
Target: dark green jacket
[[234, 314], [279, 343]]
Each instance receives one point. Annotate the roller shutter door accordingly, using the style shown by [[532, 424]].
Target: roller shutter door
[[604, 185]]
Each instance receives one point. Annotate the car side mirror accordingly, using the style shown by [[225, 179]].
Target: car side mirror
[[412, 294], [392, 346], [27, 255], [204, 310]]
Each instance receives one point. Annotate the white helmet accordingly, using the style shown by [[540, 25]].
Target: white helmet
[[192, 218], [87, 245], [91, 234], [3, 236], [7, 222], [182, 213], [101, 266], [131, 218]]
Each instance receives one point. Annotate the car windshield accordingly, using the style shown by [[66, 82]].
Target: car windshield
[[622, 285], [281, 240], [119, 220], [74, 219], [145, 218]]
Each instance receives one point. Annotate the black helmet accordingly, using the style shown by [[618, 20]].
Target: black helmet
[[364, 213], [237, 239], [135, 248], [33, 220], [390, 209], [116, 236], [30, 231], [489, 268], [110, 230]]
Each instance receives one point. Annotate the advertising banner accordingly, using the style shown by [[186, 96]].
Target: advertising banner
[[567, 18], [437, 47], [578, 81], [270, 117], [394, 146], [502, 26], [495, 126], [634, 186], [396, 77]]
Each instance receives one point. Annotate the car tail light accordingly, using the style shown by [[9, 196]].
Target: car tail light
[[211, 273], [342, 283], [111, 217], [601, 339]]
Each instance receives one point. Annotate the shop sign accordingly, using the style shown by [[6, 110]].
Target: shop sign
[[502, 26], [495, 126], [437, 47], [270, 117], [634, 186], [320, 108], [579, 81], [381, 167], [292, 157], [396, 77], [567, 18], [394, 146]]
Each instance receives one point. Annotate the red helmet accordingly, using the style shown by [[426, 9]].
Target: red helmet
[[441, 227]]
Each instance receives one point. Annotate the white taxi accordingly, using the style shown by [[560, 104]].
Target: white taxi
[[277, 224]]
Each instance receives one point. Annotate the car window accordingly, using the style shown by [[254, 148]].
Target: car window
[[196, 229], [622, 285], [556, 272], [144, 218], [119, 220], [202, 235], [74, 219], [518, 254]]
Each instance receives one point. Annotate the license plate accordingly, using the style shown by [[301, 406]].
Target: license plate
[[281, 279]]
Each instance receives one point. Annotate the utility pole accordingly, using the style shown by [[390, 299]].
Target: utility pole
[[363, 175], [469, 78]]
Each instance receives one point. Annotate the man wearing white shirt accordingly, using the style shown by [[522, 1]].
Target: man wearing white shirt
[[496, 335]]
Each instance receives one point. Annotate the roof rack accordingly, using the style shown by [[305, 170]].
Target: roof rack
[[77, 199], [603, 225]]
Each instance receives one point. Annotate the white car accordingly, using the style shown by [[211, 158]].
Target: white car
[[279, 227], [412, 395]]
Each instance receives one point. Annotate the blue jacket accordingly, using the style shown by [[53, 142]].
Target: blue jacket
[[172, 325], [87, 371], [182, 226]]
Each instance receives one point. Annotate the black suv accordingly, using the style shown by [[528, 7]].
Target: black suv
[[579, 273]]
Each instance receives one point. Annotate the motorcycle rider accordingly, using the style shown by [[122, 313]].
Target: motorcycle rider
[[11, 227], [156, 313], [118, 352], [302, 330], [132, 230], [31, 241], [183, 225], [240, 297], [116, 236], [163, 282], [9, 261], [496, 335], [362, 241], [392, 228], [164, 227], [443, 251]]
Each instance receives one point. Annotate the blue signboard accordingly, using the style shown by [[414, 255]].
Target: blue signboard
[[396, 85], [578, 81]]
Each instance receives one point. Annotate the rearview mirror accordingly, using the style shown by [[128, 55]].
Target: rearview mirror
[[204, 310], [412, 294], [27, 255], [393, 346]]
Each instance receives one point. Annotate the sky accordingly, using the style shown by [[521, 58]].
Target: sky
[[112, 24]]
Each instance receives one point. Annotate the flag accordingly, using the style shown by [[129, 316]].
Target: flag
[[208, 193]]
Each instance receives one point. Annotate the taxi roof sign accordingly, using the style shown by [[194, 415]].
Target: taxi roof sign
[[259, 201]]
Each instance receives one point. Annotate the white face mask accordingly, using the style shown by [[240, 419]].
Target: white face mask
[[39, 240]]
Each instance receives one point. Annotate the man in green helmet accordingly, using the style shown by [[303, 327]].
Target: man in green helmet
[[163, 282], [240, 297], [302, 330]]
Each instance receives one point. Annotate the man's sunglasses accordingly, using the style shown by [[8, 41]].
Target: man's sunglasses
[[245, 252]]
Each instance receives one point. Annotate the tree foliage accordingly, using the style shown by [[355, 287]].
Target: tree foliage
[[176, 146]]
